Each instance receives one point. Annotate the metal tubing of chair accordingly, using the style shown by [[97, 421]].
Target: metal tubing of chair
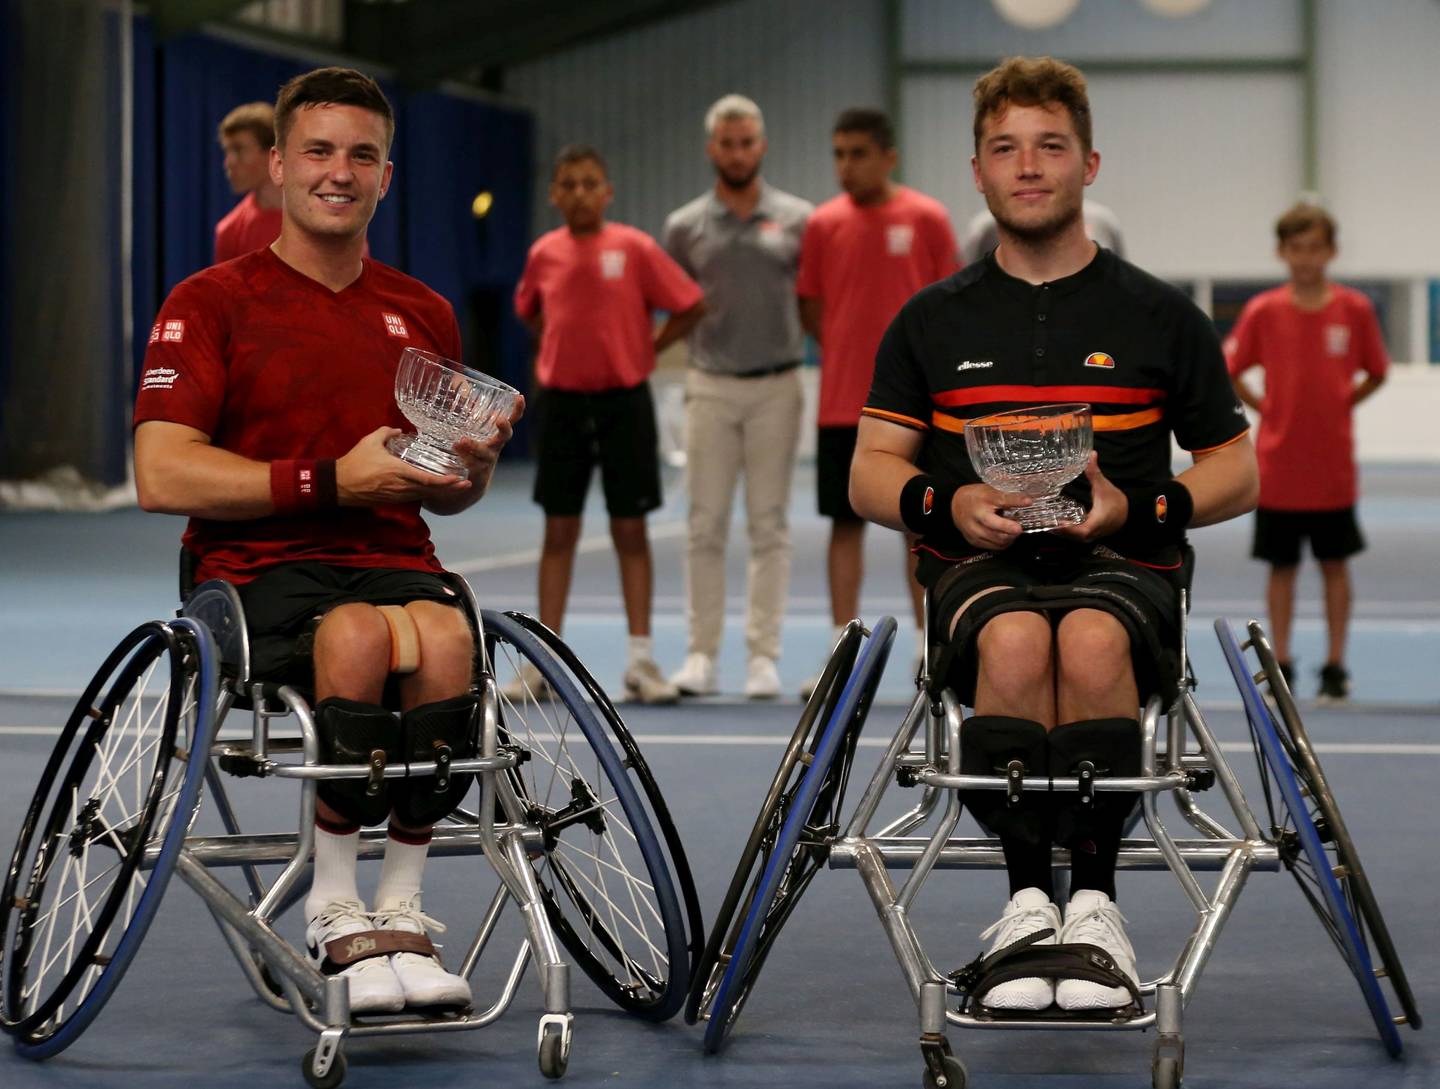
[[1198, 819], [1227, 891], [482, 935], [1202, 856], [926, 862], [248, 968], [875, 789], [279, 893], [507, 992], [1175, 738], [1135, 785], [469, 766], [911, 818], [1223, 775], [1136, 1024], [277, 953], [1172, 855], [216, 786], [915, 966], [554, 972], [1148, 724]]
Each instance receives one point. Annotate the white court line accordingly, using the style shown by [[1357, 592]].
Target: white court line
[[1324, 748], [598, 542]]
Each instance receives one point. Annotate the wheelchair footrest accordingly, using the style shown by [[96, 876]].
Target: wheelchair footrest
[[1026, 959]]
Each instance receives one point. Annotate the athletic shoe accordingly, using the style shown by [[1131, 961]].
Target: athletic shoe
[[422, 977], [645, 683], [1287, 670], [1093, 919], [696, 677], [1027, 911], [528, 686], [374, 987], [762, 679], [1334, 684]]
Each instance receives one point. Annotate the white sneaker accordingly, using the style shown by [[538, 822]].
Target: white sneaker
[[696, 677], [1094, 919], [374, 987], [645, 683], [422, 977], [1027, 911], [528, 686], [762, 679], [808, 686]]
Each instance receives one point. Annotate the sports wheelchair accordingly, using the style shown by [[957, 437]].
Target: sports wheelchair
[[567, 813], [802, 827]]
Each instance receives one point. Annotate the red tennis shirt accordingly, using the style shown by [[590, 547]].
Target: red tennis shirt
[[272, 364], [246, 227], [1305, 445], [597, 293], [864, 262]]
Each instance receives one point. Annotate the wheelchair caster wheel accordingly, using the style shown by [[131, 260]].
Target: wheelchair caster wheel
[[331, 1078], [554, 1053], [1166, 1072], [952, 1077]]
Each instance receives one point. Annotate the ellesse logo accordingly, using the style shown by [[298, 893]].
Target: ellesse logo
[[1099, 359], [928, 504], [1162, 508]]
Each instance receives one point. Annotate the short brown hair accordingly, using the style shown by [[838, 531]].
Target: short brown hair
[[1301, 218], [1034, 81], [332, 87], [578, 153], [257, 118]]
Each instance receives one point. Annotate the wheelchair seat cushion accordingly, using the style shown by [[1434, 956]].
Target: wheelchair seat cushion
[[1054, 577]]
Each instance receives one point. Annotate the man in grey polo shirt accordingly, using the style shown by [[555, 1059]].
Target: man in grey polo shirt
[[741, 242]]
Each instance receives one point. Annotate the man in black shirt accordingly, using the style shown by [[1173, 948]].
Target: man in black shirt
[[1050, 317]]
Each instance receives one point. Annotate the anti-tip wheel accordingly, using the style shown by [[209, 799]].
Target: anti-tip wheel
[[332, 1077], [955, 1076]]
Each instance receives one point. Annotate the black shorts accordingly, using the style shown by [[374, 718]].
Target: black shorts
[[615, 429], [1334, 535], [834, 450], [1154, 593], [284, 605]]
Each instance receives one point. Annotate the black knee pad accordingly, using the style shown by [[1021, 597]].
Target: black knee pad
[[1112, 747], [988, 744], [436, 732], [352, 732]]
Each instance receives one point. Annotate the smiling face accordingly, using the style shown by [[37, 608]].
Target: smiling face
[[332, 169], [1032, 169]]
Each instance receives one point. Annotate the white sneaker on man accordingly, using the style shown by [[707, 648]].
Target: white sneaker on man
[[1026, 912], [696, 677], [423, 979], [1093, 918], [527, 686], [645, 683], [762, 679], [374, 987]]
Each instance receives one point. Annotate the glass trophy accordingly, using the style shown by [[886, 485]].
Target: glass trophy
[[1034, 452], [446, 401]]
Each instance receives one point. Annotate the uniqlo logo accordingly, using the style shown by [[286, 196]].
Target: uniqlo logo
[[395, 325], [171, 332]]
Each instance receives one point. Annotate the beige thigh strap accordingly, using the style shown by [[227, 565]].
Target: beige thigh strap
[[404, 639]]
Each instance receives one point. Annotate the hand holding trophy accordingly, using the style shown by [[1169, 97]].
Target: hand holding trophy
[[1035, 452], [446, 401]]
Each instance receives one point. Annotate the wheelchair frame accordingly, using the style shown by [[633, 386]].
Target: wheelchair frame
[[1189, 761], [510, 829]]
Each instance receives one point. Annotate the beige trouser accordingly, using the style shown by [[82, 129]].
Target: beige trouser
[[736, 426]]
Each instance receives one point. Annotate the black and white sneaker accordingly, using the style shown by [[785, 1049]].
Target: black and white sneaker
[[1334, 684]]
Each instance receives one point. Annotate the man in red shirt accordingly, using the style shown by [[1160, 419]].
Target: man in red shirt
[[864, 254], [246, 136], [588, 292], [1312, 338], [264, 406]]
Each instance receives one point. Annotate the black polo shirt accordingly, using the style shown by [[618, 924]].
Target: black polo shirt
[[1144, 357]]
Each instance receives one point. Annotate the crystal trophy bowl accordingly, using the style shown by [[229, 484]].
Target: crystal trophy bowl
[[446, 401], [1034, 452]]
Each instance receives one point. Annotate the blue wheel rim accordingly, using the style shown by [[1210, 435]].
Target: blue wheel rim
[[871, 662], [1352, 940]]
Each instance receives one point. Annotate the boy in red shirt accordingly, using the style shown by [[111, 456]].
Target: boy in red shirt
[[863, 255], [246, 136], [588, 291], [1312, 337]]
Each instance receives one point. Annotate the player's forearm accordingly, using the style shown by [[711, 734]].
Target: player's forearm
[[1223, 484], [876, 479], [201, 481], [1365, 388], [1245, 393], [811, 311], [678, 326]]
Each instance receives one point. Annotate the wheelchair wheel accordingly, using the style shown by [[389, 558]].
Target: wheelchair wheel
[[100, 839], [604, 876], [779, 799], [1315, 846], [810, 819]]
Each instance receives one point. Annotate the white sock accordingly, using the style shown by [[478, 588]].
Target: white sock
[[642, 648], [334, 878], [402, 870]]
